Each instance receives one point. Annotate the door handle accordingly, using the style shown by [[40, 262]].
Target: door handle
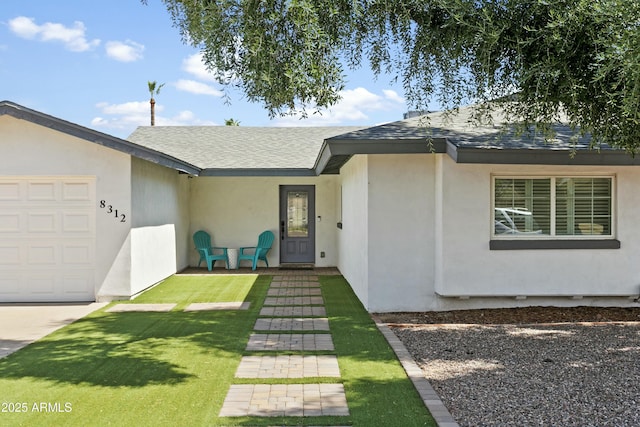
[[282, 230]]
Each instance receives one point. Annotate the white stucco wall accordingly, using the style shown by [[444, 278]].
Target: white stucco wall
[[387, 239], [353, 238], [401, 231], [29, 149], [153, 255], [160, 203], [235, 210], [417, 229], [470, 268]]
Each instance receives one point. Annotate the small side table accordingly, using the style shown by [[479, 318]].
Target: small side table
[[232, 254]]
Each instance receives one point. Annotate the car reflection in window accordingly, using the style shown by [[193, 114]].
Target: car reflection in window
[[515, 221]]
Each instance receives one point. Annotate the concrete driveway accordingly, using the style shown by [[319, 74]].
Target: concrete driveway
[[22, 324]]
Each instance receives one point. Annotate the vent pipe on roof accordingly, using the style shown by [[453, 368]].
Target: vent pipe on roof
[[414, 113]]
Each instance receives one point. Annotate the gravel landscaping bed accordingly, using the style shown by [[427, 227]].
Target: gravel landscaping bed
[[529, 367]]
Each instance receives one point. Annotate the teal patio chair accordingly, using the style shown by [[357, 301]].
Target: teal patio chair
[[202, 240], [258, 252]]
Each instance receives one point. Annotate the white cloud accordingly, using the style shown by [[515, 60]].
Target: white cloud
[[127, 51], [129, 115], [197, 88], [194, 65], [392, 95], [73, 37], [134, 107], [183, 118], [24, 27], [99, 122], [125, 116], [354, 106]]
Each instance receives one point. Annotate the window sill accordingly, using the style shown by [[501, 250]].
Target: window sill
[[503, 245]]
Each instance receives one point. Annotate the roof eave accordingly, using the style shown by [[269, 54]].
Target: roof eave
[[256, 172], [335, 152], [562, 157]]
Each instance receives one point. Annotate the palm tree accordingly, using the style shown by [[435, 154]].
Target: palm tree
[[231, 122], [153, 89]]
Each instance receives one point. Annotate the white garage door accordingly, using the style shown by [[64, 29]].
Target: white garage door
[[47, 239]]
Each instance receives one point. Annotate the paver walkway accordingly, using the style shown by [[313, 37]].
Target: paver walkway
[[293, 304], [292, 400], [293, 311], [293, 301], [288, 366], [292, 324], [307, 342]]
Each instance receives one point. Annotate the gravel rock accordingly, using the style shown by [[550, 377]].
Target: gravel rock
[[530, 374], [522, 315]]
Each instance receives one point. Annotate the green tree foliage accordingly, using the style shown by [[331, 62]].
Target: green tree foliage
[[579, 59]]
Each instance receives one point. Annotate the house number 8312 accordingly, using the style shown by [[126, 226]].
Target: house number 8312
[[110, 210]]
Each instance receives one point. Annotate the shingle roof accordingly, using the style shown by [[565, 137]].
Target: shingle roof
[[461, 130], [234, 150], [468, 142], [300, 151]]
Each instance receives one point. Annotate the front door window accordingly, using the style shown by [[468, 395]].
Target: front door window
[[297, 214]]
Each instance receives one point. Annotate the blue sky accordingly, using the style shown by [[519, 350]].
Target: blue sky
[[89, 62]]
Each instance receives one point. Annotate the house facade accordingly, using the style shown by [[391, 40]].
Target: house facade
[[416, 217]]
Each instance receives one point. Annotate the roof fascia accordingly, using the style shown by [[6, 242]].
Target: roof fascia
[[257, 172], [334, 147], [122, 145], [562, 157]]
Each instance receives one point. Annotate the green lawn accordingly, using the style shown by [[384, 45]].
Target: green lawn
[[175, 368]]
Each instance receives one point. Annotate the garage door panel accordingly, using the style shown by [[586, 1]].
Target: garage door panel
[[41, 191], [10, 222], [10, 255], [78, 283], [42, 284], [10, 191], [42, 222], [77, 191], [38, 254], [47, 239], [77, 222], [45, 287], [9, 285], [77, 254]]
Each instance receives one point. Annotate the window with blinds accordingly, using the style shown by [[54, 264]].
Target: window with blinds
[[553, 207]]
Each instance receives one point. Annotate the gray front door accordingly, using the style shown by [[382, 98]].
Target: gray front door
[[297, 224]]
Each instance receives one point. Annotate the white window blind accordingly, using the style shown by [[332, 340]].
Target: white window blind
[[553, 206]]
